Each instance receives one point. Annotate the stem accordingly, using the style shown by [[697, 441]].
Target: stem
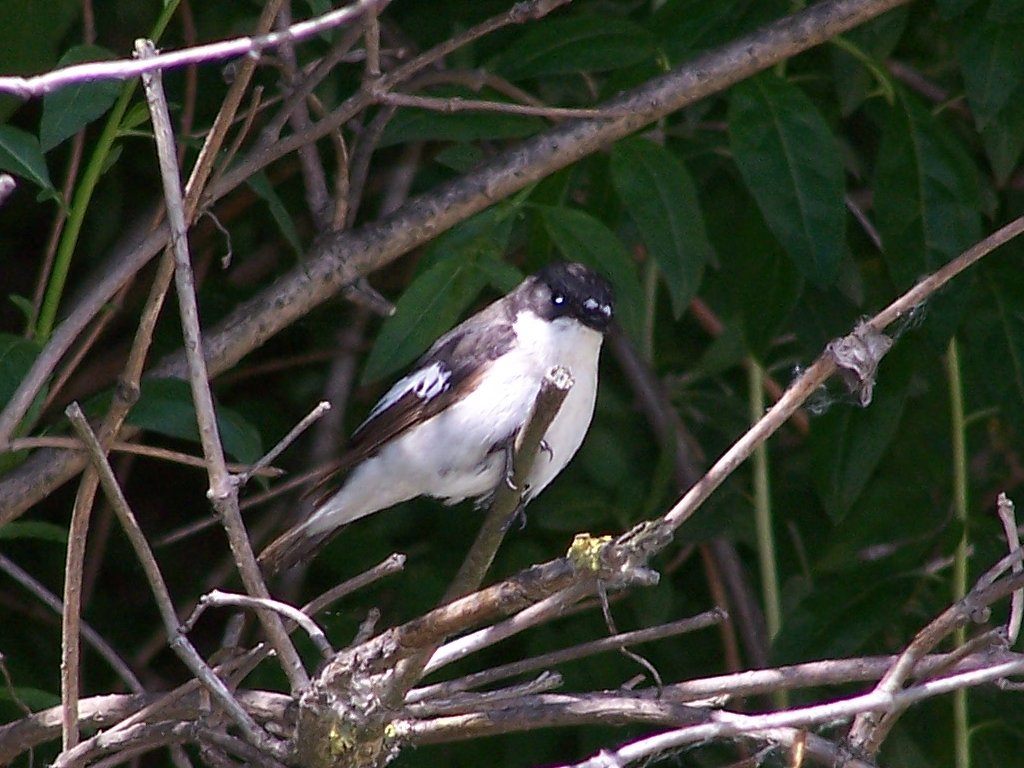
[[961, 724], [763, 509], [84, 191]]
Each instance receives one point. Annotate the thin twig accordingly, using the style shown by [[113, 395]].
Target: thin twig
[[220, 599], [468, 702], [458, 104], [72, 613], [302, 92], [178, 642], [869, 730], [531, 616], [92, 637], [223, 491], [583, 650], [314, 180], [823, 368], [293, 434], [359, 163], [730, 724], [1005, 509], [123, 69], [392, 564], [138, 449]]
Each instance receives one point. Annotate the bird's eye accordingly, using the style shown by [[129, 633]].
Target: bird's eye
[[558, 298]]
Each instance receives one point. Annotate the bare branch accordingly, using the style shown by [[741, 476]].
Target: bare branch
[[580, 651], [29, 87], [100, 711], [823, 368], [535, 614], [178, 642], [459, 104], [293, 434], [871, 727], [219, 599], [138, 449], [1005, 509], [223, 490], [92, 637], [730, 724]]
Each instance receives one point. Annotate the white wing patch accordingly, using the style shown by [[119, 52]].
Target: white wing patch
[[426, 383]]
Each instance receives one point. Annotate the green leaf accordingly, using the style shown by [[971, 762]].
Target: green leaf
[[768, 288], [585, 43], [460, 157], [993, 338], [20, 154], [32, 32], [1003, 138], [950, 8], [581, 237], [661, 197], [34, 529], [875, 40], [67, 110], [35, 699], [501, 275], [848, 443], [926, 196], [687, 26], [430, 306], [16, 358], [260, 184], [791, 163], [165, 407], [455, 269], [24, 305], [990, 48], [991, 55], [842, 614]]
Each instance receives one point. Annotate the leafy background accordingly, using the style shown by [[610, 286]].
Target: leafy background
[[733, 233]]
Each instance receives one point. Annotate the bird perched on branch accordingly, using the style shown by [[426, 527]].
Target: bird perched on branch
[[448, 429]]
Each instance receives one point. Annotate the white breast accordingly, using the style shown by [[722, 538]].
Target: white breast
[[574, 346]]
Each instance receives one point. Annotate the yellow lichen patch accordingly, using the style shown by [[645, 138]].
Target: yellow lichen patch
[[585, 551]]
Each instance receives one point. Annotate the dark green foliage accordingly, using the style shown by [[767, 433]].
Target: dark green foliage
[[745, 201]]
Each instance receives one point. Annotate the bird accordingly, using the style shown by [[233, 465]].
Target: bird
[[447, 429]]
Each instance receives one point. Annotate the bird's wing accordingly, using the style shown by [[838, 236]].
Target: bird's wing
[[449, 370]]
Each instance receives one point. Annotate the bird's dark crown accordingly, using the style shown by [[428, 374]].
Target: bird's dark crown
[[569, 289]]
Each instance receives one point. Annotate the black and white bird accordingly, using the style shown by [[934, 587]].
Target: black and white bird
[[445, 430]]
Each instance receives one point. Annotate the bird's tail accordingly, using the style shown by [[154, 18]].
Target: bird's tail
[[357, 499], [295, 544]]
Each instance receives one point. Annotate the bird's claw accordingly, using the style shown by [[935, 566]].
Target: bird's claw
[[519, 515]]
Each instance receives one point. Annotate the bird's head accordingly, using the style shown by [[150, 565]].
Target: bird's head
[[570, 289]]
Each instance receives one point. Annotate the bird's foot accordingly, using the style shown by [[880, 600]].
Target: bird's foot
[[518, 516], [509, 473]]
